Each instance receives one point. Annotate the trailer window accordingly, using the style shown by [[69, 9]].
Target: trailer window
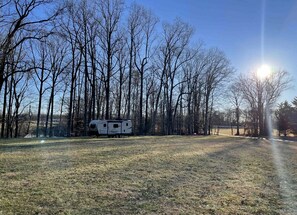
[[115, 125], [104, 125], [92, 125], [126, 124]]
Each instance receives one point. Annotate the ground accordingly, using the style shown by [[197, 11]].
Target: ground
[[147, 175]]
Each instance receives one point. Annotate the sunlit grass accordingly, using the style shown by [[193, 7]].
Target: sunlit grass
[[169, 175]]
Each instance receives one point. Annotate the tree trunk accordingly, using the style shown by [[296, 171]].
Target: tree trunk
[[4, 109], [131, 60], [206, 116], [8, 123], [98, 100], [146, 114], [73, 77], [40, 101], [16, 131], [61, 112], [29, 121], [141, 102], [47, 117], [51, 133], [120, 93], [237, 121], [93, 89], [260, 113], [189, 117], [86, 101]]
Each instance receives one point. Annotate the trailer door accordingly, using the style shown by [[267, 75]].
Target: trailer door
[[114, 128], [127, 127]]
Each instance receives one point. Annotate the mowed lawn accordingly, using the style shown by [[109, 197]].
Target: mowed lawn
[[146, 175]]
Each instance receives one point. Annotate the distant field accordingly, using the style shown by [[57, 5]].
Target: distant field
[[145, 175], [228, 131]]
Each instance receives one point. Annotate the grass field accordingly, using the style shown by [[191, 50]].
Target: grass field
[[145, 175]]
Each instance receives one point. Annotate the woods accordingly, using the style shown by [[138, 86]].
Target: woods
[[108, 60]]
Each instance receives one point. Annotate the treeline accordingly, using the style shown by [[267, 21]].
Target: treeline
[[64, 64], [101, 59]]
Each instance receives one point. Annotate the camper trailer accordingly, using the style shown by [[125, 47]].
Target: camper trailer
[[110, 127]]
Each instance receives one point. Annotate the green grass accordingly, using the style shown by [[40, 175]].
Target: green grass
[[143, 175]]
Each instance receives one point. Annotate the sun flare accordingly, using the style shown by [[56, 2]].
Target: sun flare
[[263, 71]]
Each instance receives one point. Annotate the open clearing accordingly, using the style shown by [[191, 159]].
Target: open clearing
[[145, 175]]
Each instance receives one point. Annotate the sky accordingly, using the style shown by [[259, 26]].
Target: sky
[[250, 32]]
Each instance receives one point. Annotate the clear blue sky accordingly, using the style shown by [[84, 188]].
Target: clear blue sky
[[235, 26]]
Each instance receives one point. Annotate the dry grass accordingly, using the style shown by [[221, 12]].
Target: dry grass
[[143, 175]]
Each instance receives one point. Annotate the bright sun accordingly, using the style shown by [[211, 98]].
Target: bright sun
[[263, 71]]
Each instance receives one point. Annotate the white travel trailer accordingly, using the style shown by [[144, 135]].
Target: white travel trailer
[[110, 127]]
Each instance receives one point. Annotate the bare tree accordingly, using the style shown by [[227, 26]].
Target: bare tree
[[39, 59], [87, 21], [134, 29], [92, 51], [20, 88], [193, 74], [236, 97], [122, 58], [16, 87], [217, 71], [19, 25], [149, 99], [58, 64], [70, 32], [262, 94], [144, 52], [173, 54], [110, 11]]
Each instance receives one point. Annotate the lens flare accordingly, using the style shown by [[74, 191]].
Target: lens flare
[[285, 183]]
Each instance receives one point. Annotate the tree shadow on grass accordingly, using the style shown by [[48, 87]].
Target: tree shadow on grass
[[59, 145], [205, 182], [174, 180]]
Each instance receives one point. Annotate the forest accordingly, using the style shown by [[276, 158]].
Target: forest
[[64, 63]]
